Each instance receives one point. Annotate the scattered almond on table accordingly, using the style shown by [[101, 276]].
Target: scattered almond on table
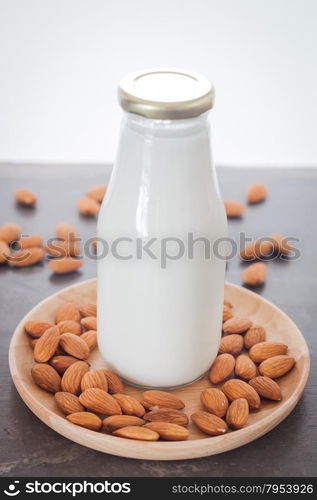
[[242, 376]]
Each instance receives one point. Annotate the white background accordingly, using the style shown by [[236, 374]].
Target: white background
[[60, 61]]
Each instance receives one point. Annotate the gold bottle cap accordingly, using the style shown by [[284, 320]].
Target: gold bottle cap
[[166, 93]]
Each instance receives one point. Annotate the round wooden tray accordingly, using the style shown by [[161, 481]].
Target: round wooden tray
[[246, 303]]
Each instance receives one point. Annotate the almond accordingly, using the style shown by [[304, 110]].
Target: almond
[[34, 342], [280, 244], [221, 368], [161, 398], [26, 257], [65, 265], [264, 350], [209, 423], [214, 401], [25, 197], [64, 248], [36, 328], [88, 309], [114, 383], [71, 379], [97, 192], [267, 388], [256, 193], [68, 402], [4, 252], [33, 240], [129, 405], [85, 419], [74, 345], [254, 335], [277, 366], [114, 422], [238, 413], [236, 324], [256, 250], [227, 313], [231, 344], [61, 363], [90, 322], [66, 232], [94, 378], [235, 389], [46, 377], [46, 346], [168, 431], [135, 432], [245, 368], [167, 415], [69, 326], [99, 401], [90, 337], [69, 310], [234, 208], [10, 232], [88, 206], [255, 274]]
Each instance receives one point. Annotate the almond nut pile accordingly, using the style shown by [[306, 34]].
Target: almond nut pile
[[244, 371]]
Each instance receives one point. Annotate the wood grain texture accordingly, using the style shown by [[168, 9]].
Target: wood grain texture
[[279, 327]]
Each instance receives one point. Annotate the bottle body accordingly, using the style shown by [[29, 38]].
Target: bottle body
[[160, 293]]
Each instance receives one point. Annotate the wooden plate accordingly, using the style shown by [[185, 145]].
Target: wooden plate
[[278, 326]]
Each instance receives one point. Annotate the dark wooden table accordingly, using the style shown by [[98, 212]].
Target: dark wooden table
[[30, 448]]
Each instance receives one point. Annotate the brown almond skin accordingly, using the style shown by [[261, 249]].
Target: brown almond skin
[[136, 432], [10, 232], [97, 193], [68, 402], [214, 401], [4, 252], [88, 309], [168, 431], [88, 206], [277, 366], [231, 344], [256, 193], [100, 401], [209, 424], [264, 350], [255, 274], [245, 367], [85, 419], [227, 313], [61, 363], [46, 377], [65, 265], [114, 422], [94, 378], [90, 323], [69, 326], [238, 413], [236, 388], [90, 337], [221, 368], [25, 197], [74, 345], [256, 250], [37, 328], [47, 344], [34, 240], [68, 311], [267, 388], [129, 405], [115, 386], [161, 398], [167, 415], [65, 232], [71, 379], [280, 244], [254, 335], [26, 257], [234, 208], [236, 324]]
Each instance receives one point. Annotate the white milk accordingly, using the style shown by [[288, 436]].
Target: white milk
[[159, 319]]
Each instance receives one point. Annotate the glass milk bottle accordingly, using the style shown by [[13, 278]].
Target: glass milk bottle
[[160, 227]]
